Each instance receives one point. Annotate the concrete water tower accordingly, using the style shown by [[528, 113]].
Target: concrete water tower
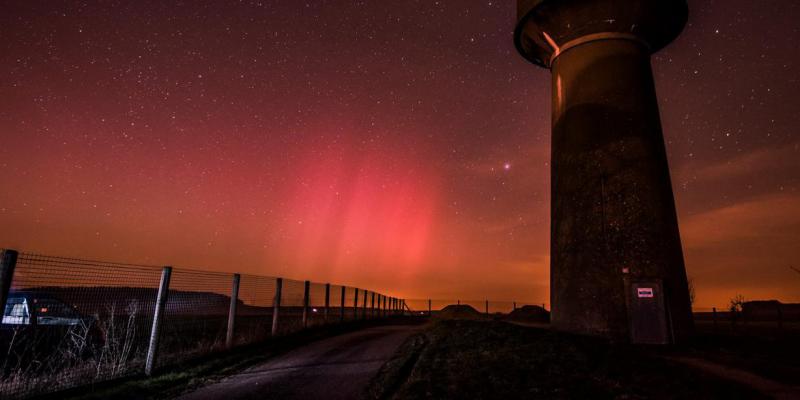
[[616, 262]]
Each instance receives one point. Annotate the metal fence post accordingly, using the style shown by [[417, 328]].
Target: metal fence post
[[232, 310], [327, 302], [714, 317], [487, 308], [341, 314], [276, 305], [355, 305], [305, 304], [515, 306], [158, 315], [780, 317], [8, 262], [430, 310]]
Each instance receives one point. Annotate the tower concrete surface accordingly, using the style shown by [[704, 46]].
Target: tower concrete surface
[[616, 264]]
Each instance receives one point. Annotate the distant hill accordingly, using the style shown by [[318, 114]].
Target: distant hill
[[530, 313], [459, 311]]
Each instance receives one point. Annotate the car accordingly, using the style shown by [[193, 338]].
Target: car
[[31, 308]]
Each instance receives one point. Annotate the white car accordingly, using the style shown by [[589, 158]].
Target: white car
[[28, 308]]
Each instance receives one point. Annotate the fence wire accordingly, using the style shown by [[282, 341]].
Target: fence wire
[[253, 321], [70, 322], [196, 315]]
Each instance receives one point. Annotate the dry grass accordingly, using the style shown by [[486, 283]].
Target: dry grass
[[496, 360]]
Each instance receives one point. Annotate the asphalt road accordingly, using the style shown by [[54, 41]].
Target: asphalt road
[[335, 368]]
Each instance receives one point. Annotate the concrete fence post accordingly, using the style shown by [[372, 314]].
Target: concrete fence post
[[8, 262], [355, 305], [341, 314], [306, 291], [276, 305], [372, 306], [232, 310], [158, 316], [327, 302], [364, 306]]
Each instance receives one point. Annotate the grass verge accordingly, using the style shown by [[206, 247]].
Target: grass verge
[[176, 379], [769, 353], [495, 360]]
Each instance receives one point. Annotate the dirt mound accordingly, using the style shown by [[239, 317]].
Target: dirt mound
[[460, 311], [530, 314]]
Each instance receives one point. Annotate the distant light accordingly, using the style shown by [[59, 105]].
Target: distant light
[[313, 310], [507, 166]]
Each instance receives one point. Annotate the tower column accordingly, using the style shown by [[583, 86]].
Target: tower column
[[614, 228]]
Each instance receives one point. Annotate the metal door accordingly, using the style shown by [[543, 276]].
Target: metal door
[[648, 316]]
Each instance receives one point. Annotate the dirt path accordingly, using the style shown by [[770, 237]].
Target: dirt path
[[334, 368], [769, 387]]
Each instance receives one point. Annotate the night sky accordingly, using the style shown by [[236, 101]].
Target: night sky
[[401, 146]]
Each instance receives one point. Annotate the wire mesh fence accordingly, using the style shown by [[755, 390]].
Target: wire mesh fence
[[70, 322], [196, 315], [253, 321]]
